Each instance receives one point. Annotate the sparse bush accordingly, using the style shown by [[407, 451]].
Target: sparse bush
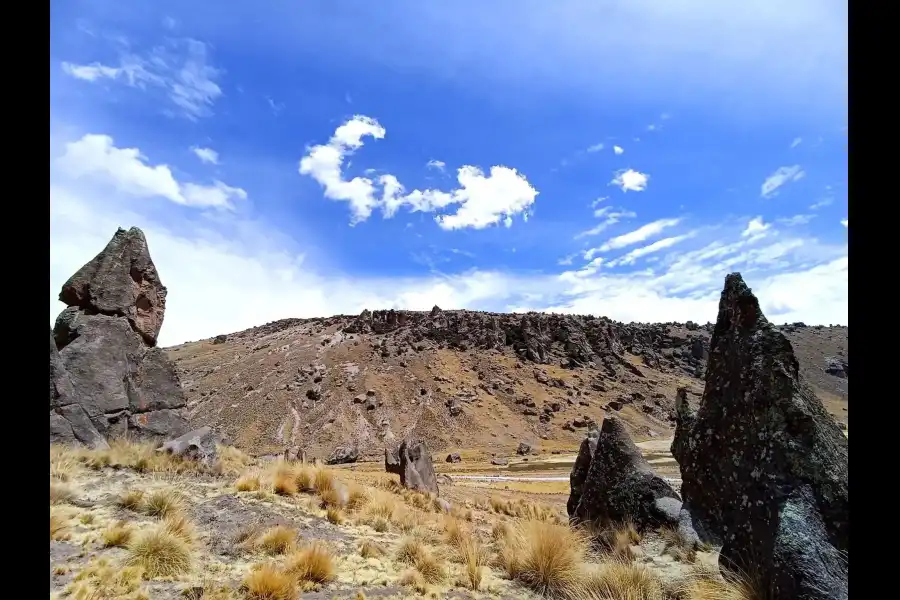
[[335, 515], [247, 483], [59, 525], [677, 546], [323, 480], [86, 518], [370, 549], [60, 493], [267, 582], [615, 579], [118, 535], [312, 564], [64, 464], [231, 461], [159, 553], [162, 503], [131, 500], [413, 579], [413, 552], [357, 497], [278, 540], [102, 579], [546, 557], [179, 525], [283, 482]]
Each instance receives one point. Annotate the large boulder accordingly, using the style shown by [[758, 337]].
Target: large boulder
[[763, 465], [412, 462], [620, 485], [121, 281], [580, 469], [107, 378], [198, 445], [343, 455]]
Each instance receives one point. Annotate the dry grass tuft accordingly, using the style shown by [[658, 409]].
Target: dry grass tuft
[[706, 583], [323, 480], [357, 496], [64, 463], [284, 482], [180, 526], [267, 582], [545, 556], [277, 540], [61, 493], [162, 503], [413, 579], [231, 461], [413, 552], [59, 525], [469, 550], [118, 535], [305, 476], [102, 579], [335, 515], [335, 496], [617, 580], [247, 483], [131, 500], [312, 564], [677, 546], [86, 518], [159, 553], [370, 549]]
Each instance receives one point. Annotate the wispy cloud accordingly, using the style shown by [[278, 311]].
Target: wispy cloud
[[610, 217], [596, 147], [795, 220], [436, 164], [181, 69], [630, 180], [206, 155], [781, 176], [797, 141], [480, 200], [756, 228], [657, 246], [641, 234], [127, 169]]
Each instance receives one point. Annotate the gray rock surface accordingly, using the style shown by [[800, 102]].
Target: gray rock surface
[[198, 445], [343, 455], [763, 465], [580, 470], [620, 485], [107, 378], [412, 462]]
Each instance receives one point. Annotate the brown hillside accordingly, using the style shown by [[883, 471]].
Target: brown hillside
[[458, 379]]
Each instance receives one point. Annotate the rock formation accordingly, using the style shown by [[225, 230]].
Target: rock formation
[[763, 466], [580, 469], [107, 378], [412, 463], [619, 484]]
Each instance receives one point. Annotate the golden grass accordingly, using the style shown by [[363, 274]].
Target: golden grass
[[413, 552], [277, 540], [59, 525], [231, 461], [61, 493], [284, 483], [304, 476], [267, 582], [86, 518], [706, 583], [180, 526], [312, 564], [525, 509], [247, 483], [323, 480], [64, 463], [545, 556], [468, 550], [357, 496], [677, 546], [617, 539], [132, 500], [370, 549], [159, 553], [335, 515], [413, 579], [617, 580], [101, 579], [335, 496], [162, 503], [117, 535]]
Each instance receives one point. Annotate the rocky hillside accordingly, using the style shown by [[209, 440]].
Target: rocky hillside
[[460, 379]]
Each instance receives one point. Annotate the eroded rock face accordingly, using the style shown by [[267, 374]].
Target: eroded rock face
[[580, 469], [620, 485], [763, 465], [412, 462], [343, 455], [107, 378], [121, 281]]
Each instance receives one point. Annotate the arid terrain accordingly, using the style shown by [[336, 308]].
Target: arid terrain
[[313, 384]]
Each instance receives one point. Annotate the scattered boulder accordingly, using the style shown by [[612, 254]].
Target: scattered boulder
[[107, 378], [620, 485], [837, 366], [412, 462], [499, 462], [220, 339], [198, 445], [454, 458], [763, 465], [343, 455], [523, 449]]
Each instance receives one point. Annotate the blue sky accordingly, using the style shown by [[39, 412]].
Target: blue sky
[[309, 158]]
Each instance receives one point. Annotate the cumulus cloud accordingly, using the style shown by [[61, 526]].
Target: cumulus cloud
[[629, 179], [181, 69], [756, 228], [206, 155], [618, 150], [480, 200], [127, 169], [781, 176]]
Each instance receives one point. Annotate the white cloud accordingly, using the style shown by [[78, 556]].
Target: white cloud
[[436, 164], [756, 228], [827, 200], [610, 217], [482, 200], [618, 149], [845, 223], [780, 177], [630, 179], [631, 257], [206, 155], [796, 220], [181, 70], [96, 156], [641, 234], [596, 147], [797, 141]]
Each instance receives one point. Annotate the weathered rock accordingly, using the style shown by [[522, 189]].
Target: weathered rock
[[121, 281], [837, 366], [61, 389], [412, 462], [198, 445], [523, 449], [343, 455], [763, 465], [295, 453], [620, 485], [220, 339], [454, 457], [580, 469], [499, 462]]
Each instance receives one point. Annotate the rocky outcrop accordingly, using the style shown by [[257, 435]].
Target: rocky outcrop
[[620, 485], [198, 445], [107, 378], [412, 462], [580, 469], [343, 455], [763, 465]]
